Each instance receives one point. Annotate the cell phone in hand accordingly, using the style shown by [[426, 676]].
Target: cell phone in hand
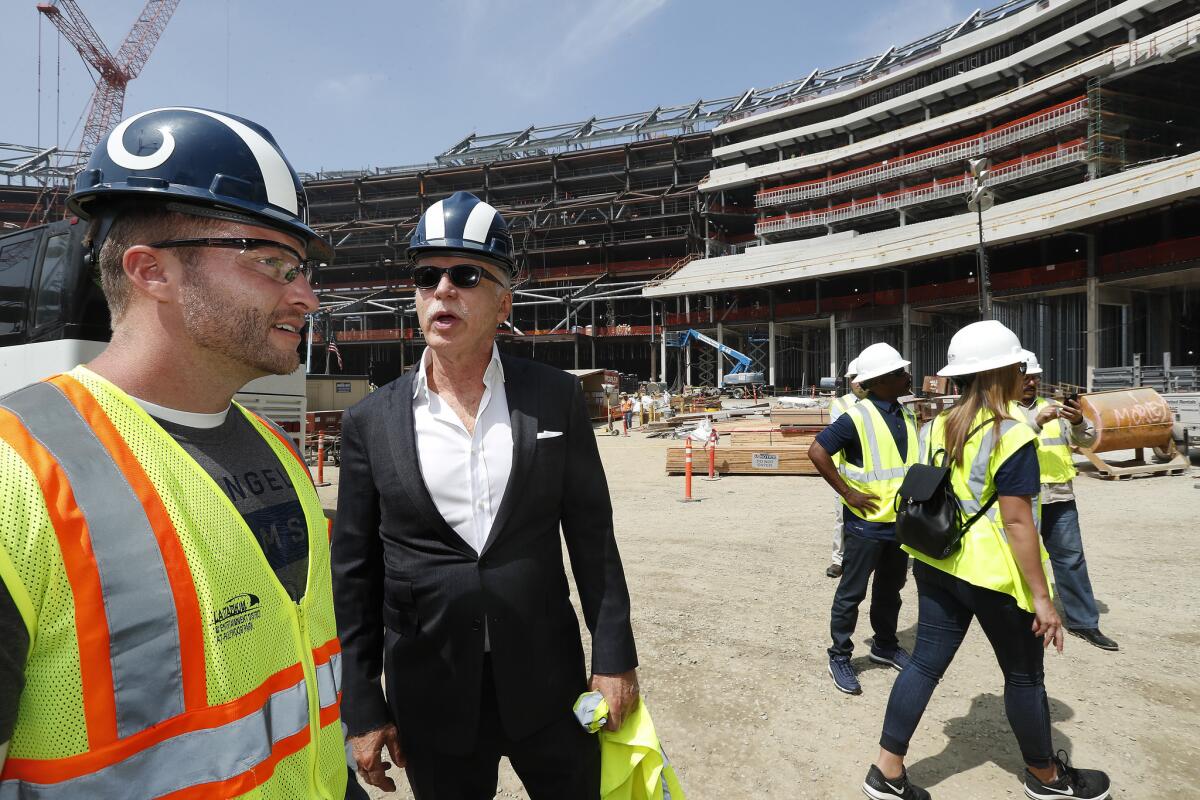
[[1073, 397]]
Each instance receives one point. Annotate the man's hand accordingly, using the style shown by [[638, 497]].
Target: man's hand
[[865, 502], [1047, 413], [620, 692], [366, 748], [1071, 412]]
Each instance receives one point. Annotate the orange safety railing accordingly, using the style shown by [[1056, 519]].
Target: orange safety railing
[[1039, 122], [1042, 160]]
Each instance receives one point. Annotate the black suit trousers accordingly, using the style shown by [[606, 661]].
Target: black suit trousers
[[559, 762]]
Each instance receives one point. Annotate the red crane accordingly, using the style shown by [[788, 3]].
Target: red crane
[[114, 72]]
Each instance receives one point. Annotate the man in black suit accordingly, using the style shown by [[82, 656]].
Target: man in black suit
[[447, 562]]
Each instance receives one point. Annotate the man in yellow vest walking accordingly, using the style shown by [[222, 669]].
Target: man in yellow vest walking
[[877, 442], [1060, 516], [162, 549]]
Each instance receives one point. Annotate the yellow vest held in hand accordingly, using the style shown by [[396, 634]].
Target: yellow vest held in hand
[[985, 558], [1054, 450], [633, 765], [883, 469], [166, 659]]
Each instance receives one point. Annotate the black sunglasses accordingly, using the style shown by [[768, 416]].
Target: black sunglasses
[[464, 276]]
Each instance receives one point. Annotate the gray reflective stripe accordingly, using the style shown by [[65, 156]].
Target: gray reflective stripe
[[143, 629], [977, 480], [877, 475], [585, 711], [923, 442], [1055, 441], [328, 681], [190, 759], [863, 414]]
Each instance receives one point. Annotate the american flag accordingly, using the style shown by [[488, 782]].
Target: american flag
[[333, 349]]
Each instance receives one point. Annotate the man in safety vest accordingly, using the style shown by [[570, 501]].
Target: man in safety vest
[[1060, 516], [839, 406], [877, 442], [162, 548]]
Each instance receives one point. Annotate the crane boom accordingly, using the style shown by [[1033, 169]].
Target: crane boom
[[115, 72]]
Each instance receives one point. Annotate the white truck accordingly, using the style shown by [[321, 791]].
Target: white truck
[[53, 317]]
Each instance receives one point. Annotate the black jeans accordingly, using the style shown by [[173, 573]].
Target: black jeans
[[946, 607], [860, 558], [559, 762]]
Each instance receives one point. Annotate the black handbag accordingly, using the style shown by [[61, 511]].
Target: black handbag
[[929, 515]]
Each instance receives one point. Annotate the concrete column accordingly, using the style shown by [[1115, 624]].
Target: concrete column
[[653, 362], [575, 339], [720, 340], [1092, 338], [906, 332], [771, 352], [833, 353], [662, 344], [712, 302]]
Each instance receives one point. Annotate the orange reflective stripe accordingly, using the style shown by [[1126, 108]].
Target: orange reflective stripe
[[179, 573], [255, 776], [56, 770], [74, 542], [325, 652], [331, 713], [286, 442]]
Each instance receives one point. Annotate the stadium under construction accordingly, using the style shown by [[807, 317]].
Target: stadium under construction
[[802, 222]]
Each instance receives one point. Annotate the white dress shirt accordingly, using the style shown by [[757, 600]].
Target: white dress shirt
[[466, 474]]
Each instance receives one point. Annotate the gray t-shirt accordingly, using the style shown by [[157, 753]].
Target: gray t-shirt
[[245, 467]]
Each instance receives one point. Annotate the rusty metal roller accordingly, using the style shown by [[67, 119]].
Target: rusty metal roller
[[1127, 419]]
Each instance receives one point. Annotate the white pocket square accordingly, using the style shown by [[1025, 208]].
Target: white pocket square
[[548, 434]]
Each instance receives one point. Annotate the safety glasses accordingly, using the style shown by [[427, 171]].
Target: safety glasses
[[275, 260], [464, 276]]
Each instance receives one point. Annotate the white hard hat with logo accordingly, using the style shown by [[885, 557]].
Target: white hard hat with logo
[[982, 346], [878, 359], [1032, 367], [851, 369]]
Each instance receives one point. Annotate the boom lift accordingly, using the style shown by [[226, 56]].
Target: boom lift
[[738, 377]]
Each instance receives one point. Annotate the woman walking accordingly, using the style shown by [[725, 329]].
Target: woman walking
[[997, 576]]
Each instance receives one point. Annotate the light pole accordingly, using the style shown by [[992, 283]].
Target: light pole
[[981, 200]]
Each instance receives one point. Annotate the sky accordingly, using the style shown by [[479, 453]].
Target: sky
[[355, 84]]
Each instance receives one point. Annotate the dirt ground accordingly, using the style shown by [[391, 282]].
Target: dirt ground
[[731, 614]]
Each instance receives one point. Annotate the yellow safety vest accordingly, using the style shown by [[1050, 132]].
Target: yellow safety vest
[[166, 659], [633, 765], [883, 469], [839, 406], [1054, 450], [984, 559]]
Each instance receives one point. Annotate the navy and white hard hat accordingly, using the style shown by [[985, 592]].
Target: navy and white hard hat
[[201, 162], [463, 223]]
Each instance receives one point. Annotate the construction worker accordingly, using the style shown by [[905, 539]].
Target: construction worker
[[627, 412], [1060, 516], [164, 548], [839, 406], [877, 441], [997, 575]]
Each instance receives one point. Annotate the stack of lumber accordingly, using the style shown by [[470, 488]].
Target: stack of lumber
[[799, 416], [793, 437], [745, 460]]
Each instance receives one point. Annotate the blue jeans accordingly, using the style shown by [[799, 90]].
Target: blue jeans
[[1060, 534], [863, 558], [946, 606]]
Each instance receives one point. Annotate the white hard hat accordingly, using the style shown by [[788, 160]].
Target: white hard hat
[[1032, 367], [851, 369], [982, 346], [878, 359]]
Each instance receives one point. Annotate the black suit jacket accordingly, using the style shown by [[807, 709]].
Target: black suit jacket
[[411, 595]]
